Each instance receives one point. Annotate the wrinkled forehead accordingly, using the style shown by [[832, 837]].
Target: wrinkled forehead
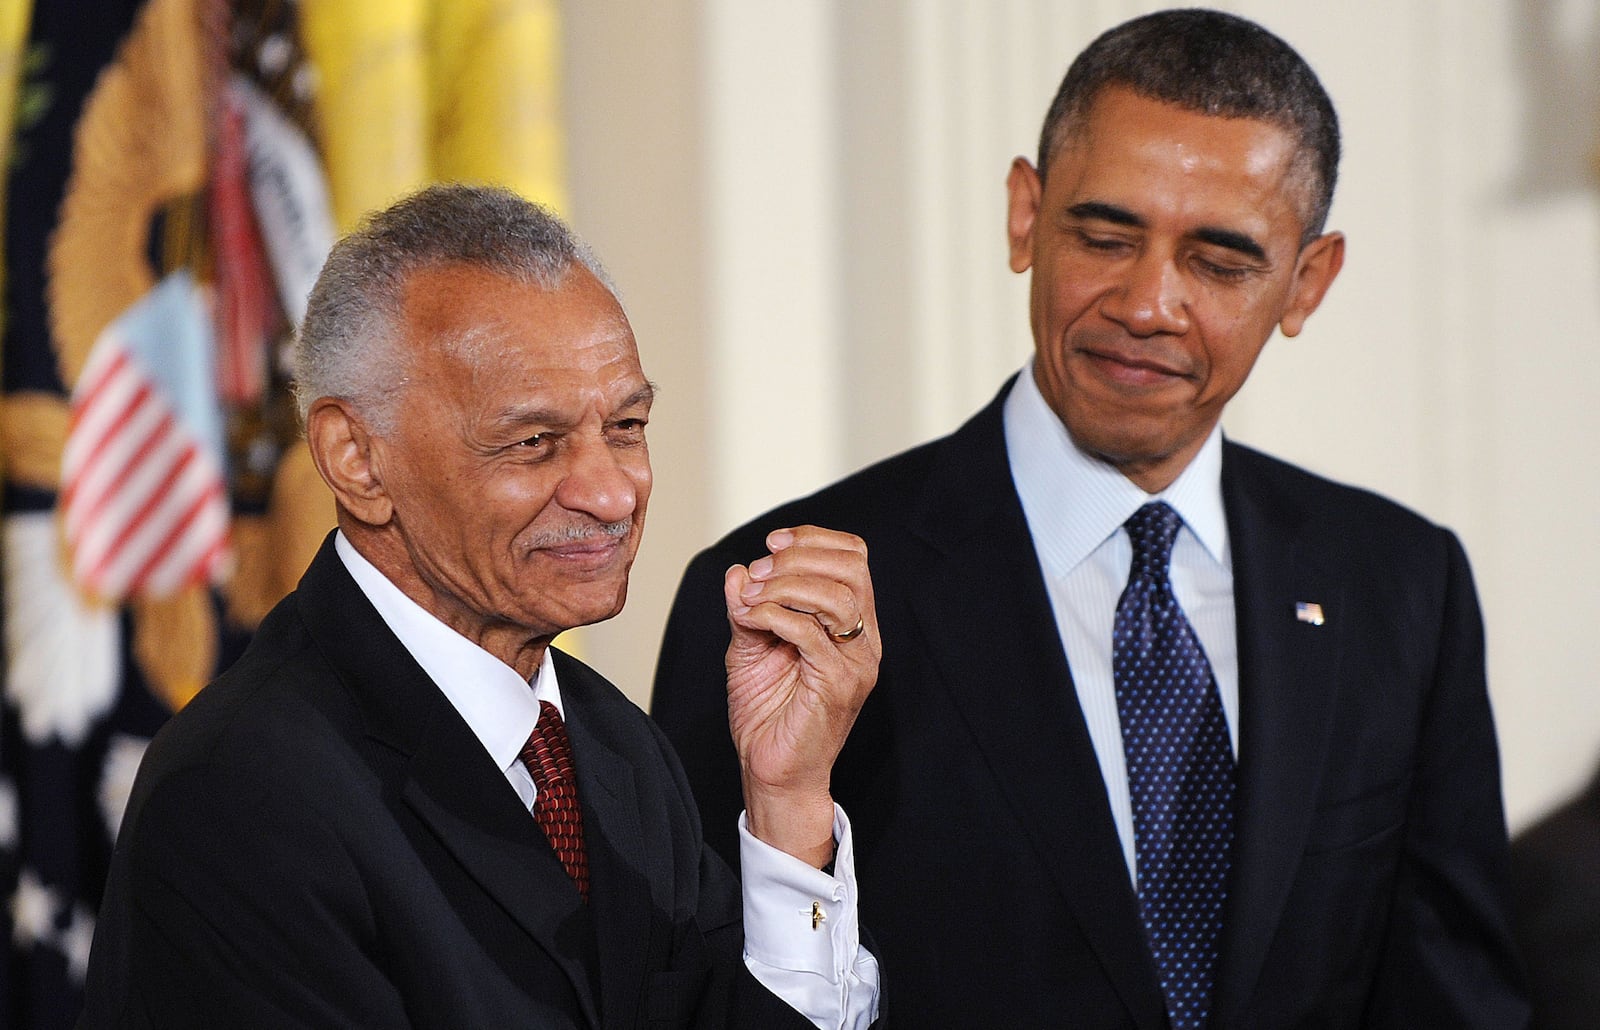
[[483, 333], [461, 307]]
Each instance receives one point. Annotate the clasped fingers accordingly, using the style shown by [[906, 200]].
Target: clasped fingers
[[817, 572]]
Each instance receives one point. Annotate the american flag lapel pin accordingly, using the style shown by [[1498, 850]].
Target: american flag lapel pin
[[1308, 611]]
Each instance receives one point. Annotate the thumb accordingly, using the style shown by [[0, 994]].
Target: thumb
[[745, 637]]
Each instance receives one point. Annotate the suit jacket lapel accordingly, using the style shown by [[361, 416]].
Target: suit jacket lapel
[[621, 866], [484, 825], [1288, 679], [449, 781], [986, 618]]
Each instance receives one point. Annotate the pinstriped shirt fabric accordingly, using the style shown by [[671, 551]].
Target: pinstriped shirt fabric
[[1075, 507]]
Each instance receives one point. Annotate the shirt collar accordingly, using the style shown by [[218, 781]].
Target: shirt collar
[[491, 696], [1074, 502]]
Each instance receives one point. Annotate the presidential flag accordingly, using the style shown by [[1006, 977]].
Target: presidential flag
[[143, 420], [177, 170]]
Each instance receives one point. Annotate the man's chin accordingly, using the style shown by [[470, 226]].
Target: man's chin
[[1119, 450], [591, 608]]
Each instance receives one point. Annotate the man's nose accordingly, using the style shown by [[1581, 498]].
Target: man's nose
[[1151, 298], [598, 480]]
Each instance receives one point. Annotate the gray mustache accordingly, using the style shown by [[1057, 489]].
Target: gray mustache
[[581, 532]]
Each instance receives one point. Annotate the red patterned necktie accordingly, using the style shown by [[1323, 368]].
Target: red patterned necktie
[[548, 756]]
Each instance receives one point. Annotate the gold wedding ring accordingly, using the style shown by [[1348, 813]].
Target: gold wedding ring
[[839, 638]]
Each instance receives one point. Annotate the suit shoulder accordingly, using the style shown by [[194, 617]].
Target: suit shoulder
[[268, 703], [1326, 498], [1566, 838]]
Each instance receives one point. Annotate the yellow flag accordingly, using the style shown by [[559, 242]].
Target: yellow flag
[[495, 72], [372, 99], [13, 41], [419, 91]]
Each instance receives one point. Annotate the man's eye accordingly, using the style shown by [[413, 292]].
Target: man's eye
[[536, 440], [1105, 244], [1226, 273]]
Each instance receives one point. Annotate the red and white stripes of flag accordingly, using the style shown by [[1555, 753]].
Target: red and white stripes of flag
[[144, 498]]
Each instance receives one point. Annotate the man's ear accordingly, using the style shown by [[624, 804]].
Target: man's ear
[[1315, 269], [1024, 190], [343, 446]]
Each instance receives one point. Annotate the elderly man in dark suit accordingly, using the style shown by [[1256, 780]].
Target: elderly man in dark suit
[[403, 807], [1168, 732]]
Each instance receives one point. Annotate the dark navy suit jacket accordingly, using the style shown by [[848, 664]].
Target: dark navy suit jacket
[[1369, 877], [318, 840]]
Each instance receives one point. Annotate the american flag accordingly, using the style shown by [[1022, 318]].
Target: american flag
[[144, 498], [132, 151]]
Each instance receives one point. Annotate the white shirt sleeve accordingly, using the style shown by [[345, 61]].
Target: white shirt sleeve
[[802, 939]]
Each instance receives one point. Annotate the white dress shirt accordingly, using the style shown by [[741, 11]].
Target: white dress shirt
[[1075, 506], [819, 969]]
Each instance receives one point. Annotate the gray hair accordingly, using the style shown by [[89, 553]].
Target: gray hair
[[347, 345], [1216, 64]]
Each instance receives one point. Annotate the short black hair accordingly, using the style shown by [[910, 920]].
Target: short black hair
[[1216, 64]]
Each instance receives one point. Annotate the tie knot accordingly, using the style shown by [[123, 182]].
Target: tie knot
[[1152, 529], [548, 753]]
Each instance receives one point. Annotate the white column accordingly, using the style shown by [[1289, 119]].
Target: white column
[[772, 200]]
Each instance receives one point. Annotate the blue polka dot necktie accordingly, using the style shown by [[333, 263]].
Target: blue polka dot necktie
[[1180, 771]]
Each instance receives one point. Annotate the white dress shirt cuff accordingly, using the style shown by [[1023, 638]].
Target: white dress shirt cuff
[[802, 938]]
